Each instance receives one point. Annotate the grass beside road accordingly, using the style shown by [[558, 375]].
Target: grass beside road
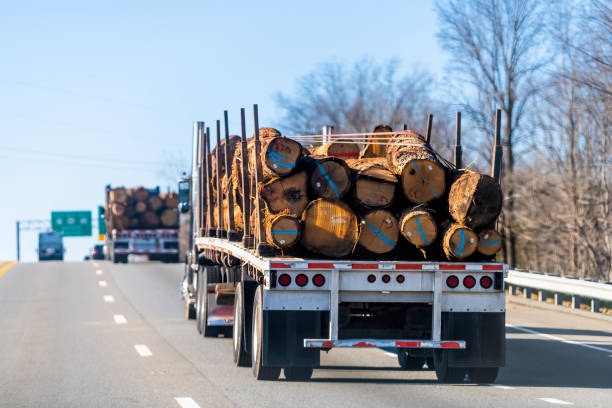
[[5, 266]]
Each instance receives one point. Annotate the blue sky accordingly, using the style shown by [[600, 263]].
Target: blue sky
[[96, 93]]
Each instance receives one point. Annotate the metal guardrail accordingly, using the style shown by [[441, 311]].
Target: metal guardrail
[[559, 287]]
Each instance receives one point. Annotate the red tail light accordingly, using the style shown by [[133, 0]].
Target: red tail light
[[486, 282], [386, 278], [284, 280], [469, 282], [452, 281], [318, 280], [301, 279], [371, 278], [400, 278]]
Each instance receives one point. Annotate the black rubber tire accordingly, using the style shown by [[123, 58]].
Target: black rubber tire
[[483, 375], [409, 363], [190, 310], [259, 371], [212, 274], [430, 363], [445, 373], [241, 348], [298, 373]]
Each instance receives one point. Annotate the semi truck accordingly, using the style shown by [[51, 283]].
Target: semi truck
[[158, 243], [282, 312]]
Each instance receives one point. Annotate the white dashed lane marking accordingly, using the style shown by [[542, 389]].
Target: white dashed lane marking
[[186, 402], [143, 350], [98, 271], [501, 386], [95, 264], [102, 284], [120, 319], [556, 401], [109, 299]]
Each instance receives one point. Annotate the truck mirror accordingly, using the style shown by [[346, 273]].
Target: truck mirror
[[183, 195]]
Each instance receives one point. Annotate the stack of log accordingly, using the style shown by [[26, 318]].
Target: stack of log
[[336, 200], [141, 208]]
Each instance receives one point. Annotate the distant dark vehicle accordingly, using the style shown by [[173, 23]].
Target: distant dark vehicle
[[97, 252], [50, 246]]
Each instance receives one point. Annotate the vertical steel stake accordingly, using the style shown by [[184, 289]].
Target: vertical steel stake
[[458, 149], [497, 148], [231, 233], [220, 222], [429, 124], [247, 238], [208, 167]]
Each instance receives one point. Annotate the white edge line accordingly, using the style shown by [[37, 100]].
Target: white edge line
[[109, 298], [562, 340], [119, 319], [556, 401], [143, 350], [186, 402]]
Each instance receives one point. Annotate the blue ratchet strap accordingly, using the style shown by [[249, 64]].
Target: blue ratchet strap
[[461, 243], [285, 232], [416, 217], [277, 159], [380, 235], [329, 180], [425, 180], [495, 241]]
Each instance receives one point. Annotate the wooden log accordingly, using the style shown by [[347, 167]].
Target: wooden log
[[149, 219], [121, 222], [489, 242], [170, 200], [154, 203], [283, 193], [422, 177], [459, 242], [279, 156], [329, 177], [169, 218], [475, 199], [343, 149], [140, 207], [373, 183], [140, 194], [329, 228], [282, 230], [118, 209], [376, 145], [118, 195], [378, 231], [418, 227]]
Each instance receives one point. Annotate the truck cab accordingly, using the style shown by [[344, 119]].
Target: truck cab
[[50, 246]]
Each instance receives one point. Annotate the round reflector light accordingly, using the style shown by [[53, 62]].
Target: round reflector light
[[371, 278], [284, 280], [386, 278], [486, 282], [469, 282], [400, 279], [318, 280], [301, 279], [452, 281]]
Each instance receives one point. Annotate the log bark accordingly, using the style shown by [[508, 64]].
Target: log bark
[[118, 195], [329, 228], [374, 148], [459, 242], [475, 199], [149, 219], [169, 218], [418, 227], [373, 183], [489, 242], [329, 177], [282, 230], [286, 193], [422, 177], [342, 149], [378, 231]]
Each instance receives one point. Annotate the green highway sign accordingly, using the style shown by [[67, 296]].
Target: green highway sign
[[72, 223]]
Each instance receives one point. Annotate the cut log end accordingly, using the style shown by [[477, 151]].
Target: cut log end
[[379, 231], [286, 193], [475, 199], [329, 228], [282, 231], [330, 178], [459, 242], [342, 149], [419, 228], [489, 242], [281, 155], [423, 180]]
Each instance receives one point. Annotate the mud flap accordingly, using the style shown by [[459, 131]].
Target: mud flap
[[485, 336]]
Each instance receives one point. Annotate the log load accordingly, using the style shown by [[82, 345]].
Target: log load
[[459, 242], [343, 149], [379, 231], [418, 227], [373, 183], [170, 200], [329, 178], [154, 203], [422, 176], [376, 145], [282, 230], [118, 195], [279, 156], [329, 228], [475, 199], [141, 208], [489, 242], [149, 219], [283, 193], [139, 193]]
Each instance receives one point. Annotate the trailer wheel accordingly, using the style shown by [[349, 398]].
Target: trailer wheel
[[483, 374], [259, 371], [445, 373], [212, 274], [409, 363], [241, 346], [430, 363], [298, 373], [199, 299]]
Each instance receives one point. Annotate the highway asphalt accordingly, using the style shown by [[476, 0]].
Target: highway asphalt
[[96, 334]]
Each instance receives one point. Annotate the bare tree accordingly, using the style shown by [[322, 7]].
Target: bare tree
[[496, 48], [356, 98]]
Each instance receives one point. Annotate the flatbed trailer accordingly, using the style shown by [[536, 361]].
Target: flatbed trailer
[[282, 312]]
